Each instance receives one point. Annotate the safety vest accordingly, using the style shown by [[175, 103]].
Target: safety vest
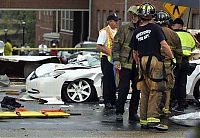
[[110, 37], [187, 42]]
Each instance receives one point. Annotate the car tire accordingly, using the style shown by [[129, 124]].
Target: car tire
[[196, 92], [79, 91]]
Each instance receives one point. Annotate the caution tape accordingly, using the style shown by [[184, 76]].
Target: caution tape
[[64, 49]]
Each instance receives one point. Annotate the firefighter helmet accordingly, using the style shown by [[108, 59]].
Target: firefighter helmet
[[146, 11], [133, 9], [162, 17]]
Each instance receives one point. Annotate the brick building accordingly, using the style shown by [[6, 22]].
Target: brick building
[[86, 24], [72, 21]]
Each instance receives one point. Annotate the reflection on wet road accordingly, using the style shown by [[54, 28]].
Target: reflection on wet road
[[87, 120]]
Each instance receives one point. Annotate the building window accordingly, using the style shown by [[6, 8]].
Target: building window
[[98, 20], [39, 15], [67, 22], [195, 21], [104, 18]]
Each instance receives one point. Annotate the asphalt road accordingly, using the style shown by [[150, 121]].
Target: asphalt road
[[87, 120]]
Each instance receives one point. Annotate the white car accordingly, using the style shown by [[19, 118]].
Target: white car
[[193, 81], [79, 81]]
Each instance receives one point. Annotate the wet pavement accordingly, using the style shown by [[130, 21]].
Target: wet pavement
[[86, 120]]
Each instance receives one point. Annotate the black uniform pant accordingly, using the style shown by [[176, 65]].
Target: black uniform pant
[[179, 92], [127, 75], [109, 87]]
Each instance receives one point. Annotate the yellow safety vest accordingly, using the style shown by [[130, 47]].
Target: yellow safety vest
[[187, 42], [110, 38]]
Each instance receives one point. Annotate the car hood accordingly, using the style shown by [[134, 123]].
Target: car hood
[[81, 62]]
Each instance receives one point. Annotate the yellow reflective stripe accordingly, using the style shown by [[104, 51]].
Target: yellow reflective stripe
[[108, 43], [186, 48], [165, 110], [101, 54], [153, 120], [143, 122], [186, 53]]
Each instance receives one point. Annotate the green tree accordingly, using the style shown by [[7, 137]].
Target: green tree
[[12, 20]]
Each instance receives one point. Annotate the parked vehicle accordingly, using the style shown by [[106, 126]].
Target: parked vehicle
[[193, 81], [78, 81]]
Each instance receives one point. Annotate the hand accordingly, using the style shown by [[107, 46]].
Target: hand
[[174, 61], [173, 64], [117, 65]]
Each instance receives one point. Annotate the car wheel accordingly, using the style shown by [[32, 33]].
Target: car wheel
[[78, 91], [196, 92]]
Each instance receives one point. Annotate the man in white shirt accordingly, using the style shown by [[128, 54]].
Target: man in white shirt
[[42, 49], [104, 45]]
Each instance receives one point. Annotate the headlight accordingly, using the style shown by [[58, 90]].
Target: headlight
[[54, 74], [33, 76]]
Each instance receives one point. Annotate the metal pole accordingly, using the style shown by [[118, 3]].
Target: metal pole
[[5, 37], [90, 14], [188, 19], [125, 9], [23, 32], [23, 36], [56, 21]]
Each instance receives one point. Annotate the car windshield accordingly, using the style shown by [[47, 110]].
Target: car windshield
[[92, 45], [88, 59]]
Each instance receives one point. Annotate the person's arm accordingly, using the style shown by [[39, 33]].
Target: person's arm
[[117, 44], [166, 49], [134, 43], [135, 56], [162, 39], [104, 49], [101, 43]]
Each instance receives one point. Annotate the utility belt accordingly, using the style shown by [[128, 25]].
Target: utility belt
[[146, 71], [153, 72]]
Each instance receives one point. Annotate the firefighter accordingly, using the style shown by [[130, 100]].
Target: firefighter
[[104, 44], [147, 41], [163, 19], [123, 60], [188, 44]]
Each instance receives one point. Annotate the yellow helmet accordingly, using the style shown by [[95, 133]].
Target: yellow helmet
[[133, 9]]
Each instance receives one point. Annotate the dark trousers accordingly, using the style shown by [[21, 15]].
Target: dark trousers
[[109, 87], [127, 75], [179, 91]]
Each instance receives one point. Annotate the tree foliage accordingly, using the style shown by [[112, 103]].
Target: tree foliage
[[12, 20]]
